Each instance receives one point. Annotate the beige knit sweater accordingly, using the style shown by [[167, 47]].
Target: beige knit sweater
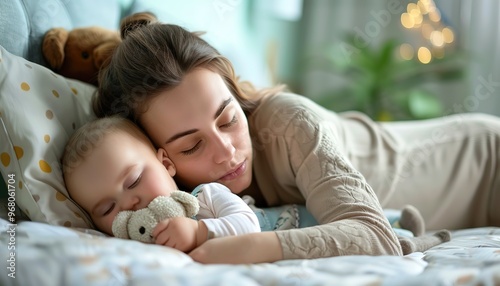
[[300, 157]]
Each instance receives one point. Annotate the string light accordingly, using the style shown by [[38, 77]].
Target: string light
[[437, 38], [448, 35], [424, 55], [424, 15], [406, 51], [407, 21]]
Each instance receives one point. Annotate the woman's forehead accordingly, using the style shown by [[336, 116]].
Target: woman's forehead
[[197, 99], [199, 88]]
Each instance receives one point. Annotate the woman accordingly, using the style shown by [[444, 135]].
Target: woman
[[282, 148]]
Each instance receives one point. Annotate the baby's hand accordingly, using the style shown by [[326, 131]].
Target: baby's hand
[[180, 233]]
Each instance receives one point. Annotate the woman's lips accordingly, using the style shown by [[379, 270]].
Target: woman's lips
[[231, 175]]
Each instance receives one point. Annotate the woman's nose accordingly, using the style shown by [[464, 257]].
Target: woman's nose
[[223, 148]]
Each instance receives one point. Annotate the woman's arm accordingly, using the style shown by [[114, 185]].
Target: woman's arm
[[303, 145], [247, 248]]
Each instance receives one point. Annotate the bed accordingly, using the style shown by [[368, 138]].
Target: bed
[[55, 255], [46, 239]]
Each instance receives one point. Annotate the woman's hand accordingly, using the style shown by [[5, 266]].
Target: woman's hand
[[181, 233], [248, 248]]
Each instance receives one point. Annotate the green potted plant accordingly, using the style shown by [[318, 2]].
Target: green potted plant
[[384, 86]]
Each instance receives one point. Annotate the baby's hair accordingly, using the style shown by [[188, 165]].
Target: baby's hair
[[89, 136]]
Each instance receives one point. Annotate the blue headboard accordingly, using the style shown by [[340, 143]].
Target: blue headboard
[[24, 22]]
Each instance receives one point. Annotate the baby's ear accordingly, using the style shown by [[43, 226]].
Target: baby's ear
[[169, 165]]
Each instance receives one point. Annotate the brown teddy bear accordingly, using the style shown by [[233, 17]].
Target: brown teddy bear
[[79, 53]]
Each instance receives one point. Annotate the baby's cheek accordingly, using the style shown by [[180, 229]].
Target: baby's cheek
[[105, 224]]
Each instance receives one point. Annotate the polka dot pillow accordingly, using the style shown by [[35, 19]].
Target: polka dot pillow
[[39, 110]]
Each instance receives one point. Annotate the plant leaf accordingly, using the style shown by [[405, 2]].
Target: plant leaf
[[423, 104]]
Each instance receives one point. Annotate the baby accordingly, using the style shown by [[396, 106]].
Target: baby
[[110, 165]]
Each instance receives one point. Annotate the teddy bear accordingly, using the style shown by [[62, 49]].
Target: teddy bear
[[79, 53], [138, 225]]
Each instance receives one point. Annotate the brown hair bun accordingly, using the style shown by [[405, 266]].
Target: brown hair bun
[[134, 21]]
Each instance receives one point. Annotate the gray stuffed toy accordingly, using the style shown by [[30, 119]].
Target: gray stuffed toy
[[139, 224]]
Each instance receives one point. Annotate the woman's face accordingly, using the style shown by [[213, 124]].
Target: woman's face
[[204, 131]]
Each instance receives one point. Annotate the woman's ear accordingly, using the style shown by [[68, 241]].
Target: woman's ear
[[169, 165]]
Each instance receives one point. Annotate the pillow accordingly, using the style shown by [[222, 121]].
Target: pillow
[[39, 110]]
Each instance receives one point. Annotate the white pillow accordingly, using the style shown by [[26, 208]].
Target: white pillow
[[39, 110]]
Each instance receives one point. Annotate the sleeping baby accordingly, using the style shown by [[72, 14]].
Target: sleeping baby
[[109, 166]]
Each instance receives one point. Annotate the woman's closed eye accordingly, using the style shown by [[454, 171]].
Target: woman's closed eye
[[197, 146], [192, 150], [233, 121]]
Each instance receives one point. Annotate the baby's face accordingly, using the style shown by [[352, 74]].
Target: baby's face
[[121, 173]]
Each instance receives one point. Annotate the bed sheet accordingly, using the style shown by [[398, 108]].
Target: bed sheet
[[53, 255]]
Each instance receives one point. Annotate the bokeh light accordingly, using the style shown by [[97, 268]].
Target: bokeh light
[[424, 55], [406, 51]]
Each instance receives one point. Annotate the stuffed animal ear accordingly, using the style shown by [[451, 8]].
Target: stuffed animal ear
[[120, 224], [189, 202], [53, 45]]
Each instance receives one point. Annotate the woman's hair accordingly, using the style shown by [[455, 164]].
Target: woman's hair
[[89, 136], [154, 57]]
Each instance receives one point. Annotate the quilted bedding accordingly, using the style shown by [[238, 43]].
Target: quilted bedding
[[52, 255]]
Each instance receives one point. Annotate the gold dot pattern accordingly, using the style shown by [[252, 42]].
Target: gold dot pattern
[[60, 197], [44, 166], [5, 159], [25, 86], [49, 114], [29, 80], [19, 152]]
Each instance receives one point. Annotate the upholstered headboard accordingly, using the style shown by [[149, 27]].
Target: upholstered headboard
[[228, 25], [24, 22]]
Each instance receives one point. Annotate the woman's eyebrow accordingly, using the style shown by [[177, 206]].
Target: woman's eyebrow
[[219, 111], [222, 106], [180, 134]]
